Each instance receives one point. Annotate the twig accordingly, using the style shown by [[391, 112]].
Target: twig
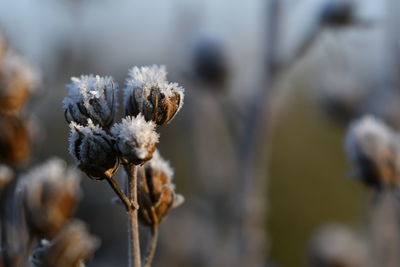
[[119, 193], [133, 243], [152, 246]]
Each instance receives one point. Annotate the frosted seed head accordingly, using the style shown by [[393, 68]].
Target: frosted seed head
[[91, 97], [93, 150], [373, 148], [135, 139], [51, 194], [148, 92], [156, 192]]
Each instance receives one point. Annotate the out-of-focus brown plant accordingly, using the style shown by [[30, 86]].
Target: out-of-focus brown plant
[[15, 144], [39, 203], [51, 194], [374, 150], [68, 249]]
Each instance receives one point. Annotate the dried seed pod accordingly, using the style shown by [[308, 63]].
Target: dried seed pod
[[135, 139], [51, 193], [375, 151], [70, 248], [148, 92], [15, 145], [93, 150], [91, 97], [156, 192], [18, 78]]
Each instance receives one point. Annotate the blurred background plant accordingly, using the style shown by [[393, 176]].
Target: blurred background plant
[[258, 152]]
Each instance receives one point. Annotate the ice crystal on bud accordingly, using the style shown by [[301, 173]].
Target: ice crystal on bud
[[159, 164], [93, 149], [51, 195], [374, 149], [91, 97], [148, 92], [136, 139], [156, 192]]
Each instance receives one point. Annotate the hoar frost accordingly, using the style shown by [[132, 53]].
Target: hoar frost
[[136, 139], [91, 97], [148, 92]]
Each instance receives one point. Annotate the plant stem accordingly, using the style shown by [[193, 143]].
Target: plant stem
[[152, 246], [120, 194], [133, 244]]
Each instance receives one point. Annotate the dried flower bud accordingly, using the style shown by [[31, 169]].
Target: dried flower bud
[[18, 78], [335, 245], [136, 139], [148, 92], [91, 97], [14, 140], [69, 249], [156, 192], [93, 150], [374, 149], [51, 193]]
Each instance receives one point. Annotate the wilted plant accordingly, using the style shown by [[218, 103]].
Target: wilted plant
[[99, 146]]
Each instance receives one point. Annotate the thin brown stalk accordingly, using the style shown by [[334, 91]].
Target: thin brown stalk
[[151, 249], [133, 243], [119, 193]]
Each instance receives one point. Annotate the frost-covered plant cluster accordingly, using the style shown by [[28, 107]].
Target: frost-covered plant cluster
[[100, 146]]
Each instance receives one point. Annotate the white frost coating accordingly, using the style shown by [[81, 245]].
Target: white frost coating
[[53, 173], [135, 133], [17, 68], [88, 88], [141, 80], [159, 164], [369, 136], [78, 131]]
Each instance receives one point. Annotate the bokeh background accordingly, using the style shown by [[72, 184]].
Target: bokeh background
[[314, 69]]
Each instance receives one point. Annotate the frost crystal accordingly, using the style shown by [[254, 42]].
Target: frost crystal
[[371, 146], [93, 150], [136, 138], [159, 164], [91, 97], [148, 92]]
